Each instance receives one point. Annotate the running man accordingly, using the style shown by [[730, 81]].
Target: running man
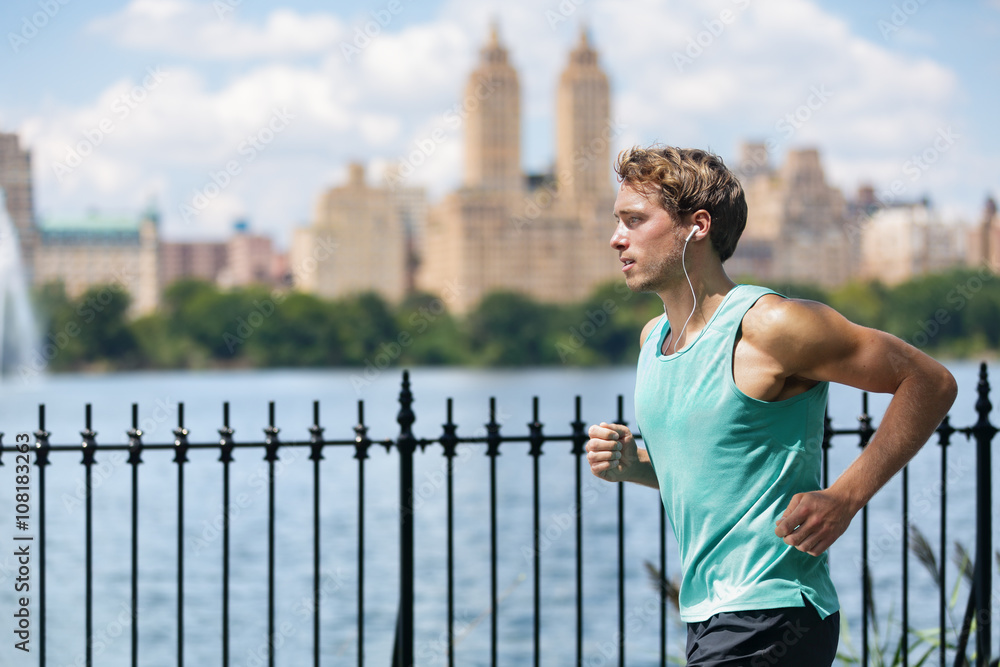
[[730, 395]]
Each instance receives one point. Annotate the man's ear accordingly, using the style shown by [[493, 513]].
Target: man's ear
[[702, 224]]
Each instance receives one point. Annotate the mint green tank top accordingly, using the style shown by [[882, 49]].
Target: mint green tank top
[[728, 465]]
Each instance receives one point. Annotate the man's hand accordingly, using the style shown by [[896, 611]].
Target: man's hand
[[611, 452], [814, 521]]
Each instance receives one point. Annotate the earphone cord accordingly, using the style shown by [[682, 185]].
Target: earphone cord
[[693, 295]]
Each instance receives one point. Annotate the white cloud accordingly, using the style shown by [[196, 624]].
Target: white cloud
[[380, 105], [183, 27]]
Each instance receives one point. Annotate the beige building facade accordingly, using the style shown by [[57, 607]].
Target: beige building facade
[[359, 241], [545, 236], [797, 225], [983, 240], [120, 252], [902, 242], [15, 181]]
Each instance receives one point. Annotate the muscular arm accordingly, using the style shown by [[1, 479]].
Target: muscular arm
[[800, 342]]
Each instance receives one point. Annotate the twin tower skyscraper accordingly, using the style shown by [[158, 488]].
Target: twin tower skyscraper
[[543, 235]]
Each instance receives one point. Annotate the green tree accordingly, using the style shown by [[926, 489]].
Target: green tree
[[301, 331], [861, 302], [509, 329], [104, 327], [367, 327], [429, 334]]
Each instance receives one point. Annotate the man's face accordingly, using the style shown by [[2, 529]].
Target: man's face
[[648, 239]]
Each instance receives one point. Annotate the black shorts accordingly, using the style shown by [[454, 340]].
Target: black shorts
[[785, 637]]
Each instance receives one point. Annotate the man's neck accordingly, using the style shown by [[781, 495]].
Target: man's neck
[[711, 286]]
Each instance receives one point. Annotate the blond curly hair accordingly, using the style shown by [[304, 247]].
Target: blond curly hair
[[689, 179]]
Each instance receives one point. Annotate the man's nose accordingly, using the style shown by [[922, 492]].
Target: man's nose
[[618, 239]]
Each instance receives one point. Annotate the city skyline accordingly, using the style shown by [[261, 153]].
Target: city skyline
[[177, 99]]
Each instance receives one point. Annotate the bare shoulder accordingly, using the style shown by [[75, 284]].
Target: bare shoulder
[[796, 330], [646, 330]]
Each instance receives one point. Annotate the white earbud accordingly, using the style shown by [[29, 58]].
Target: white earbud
[[690, 234]]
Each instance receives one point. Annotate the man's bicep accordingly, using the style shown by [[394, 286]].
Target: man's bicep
[[847, 353]]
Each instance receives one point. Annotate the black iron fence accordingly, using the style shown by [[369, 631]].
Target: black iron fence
[[977, 618]]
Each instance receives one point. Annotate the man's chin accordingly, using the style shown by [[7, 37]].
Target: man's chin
[[638, 286]]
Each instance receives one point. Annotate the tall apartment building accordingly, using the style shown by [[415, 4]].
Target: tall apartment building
[[545, 235], [201, 260], [797, 225], [101, 249], [15, 180], [904, 241], [359, 241], [983, 246]]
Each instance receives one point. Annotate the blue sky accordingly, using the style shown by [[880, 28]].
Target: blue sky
[[227, 109]]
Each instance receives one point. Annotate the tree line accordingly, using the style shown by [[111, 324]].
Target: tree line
[[198, 325]]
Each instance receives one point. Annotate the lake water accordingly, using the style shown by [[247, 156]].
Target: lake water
[[339, 391]]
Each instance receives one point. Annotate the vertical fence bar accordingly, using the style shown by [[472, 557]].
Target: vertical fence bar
[[316, 455], [663, 584], [621, 551], [825, 447], [983, 432], [865, 431], [946, 431], [493, 451], [449, 441], [180, 458], [536, 439], [405, 444], [226, 445], [361, 444], [89, 446], [579, 447], [41, 460], [905, 638], [271, 455], [134, 459]]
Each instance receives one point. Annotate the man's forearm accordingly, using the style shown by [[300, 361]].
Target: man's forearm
[[642, 473], [915, 411]]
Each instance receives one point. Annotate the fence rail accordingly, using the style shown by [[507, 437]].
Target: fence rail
[[978, 613]]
